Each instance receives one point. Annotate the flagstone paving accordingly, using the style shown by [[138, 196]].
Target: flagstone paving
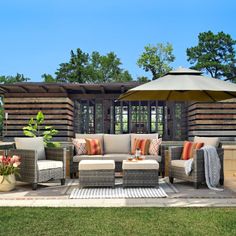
[[180, 194]]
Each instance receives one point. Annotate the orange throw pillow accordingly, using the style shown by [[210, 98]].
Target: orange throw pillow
[[93, 146], [189, 149], [142, 144]]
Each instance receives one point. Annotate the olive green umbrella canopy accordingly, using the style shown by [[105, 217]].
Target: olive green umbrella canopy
[[182, 85]]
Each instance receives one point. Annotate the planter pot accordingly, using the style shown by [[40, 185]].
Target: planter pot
[[5, 185]]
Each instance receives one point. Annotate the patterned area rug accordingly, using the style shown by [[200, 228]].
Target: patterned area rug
[[118, 192]]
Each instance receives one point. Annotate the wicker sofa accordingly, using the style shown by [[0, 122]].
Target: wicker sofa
[[115, 147]]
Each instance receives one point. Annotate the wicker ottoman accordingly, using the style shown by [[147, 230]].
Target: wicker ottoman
[[140, 173], [97, 173]]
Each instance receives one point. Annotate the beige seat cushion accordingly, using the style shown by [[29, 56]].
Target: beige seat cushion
[[142, 136], [92, 136], [116, 143], [152, 157], [116, 157], [140, 165], [97, 165], [211, 141], [32, 144], [79, 158], [178, 163], [49, 164]]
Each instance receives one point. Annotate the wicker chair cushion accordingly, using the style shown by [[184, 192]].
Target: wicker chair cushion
[[178, 163], [140, 165], [211, 141], [116, 143], [79, 158], [92, 136], [32, 144], [49, 164], [93, 146], [97, 165], [116, 157], [152, 157]]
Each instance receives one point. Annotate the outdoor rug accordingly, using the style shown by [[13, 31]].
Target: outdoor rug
[[118, 192]]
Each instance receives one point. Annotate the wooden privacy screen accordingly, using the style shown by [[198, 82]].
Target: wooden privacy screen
[[58, 112], [213, 119]]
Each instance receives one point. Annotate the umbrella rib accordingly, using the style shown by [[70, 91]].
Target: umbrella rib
[[168, 96], [126, 95], [209, 95], [230, 94]]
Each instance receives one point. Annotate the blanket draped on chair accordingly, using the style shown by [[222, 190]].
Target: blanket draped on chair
[[212, 167]]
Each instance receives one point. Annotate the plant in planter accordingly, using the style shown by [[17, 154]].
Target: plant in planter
[[9, 167], [36, 128]]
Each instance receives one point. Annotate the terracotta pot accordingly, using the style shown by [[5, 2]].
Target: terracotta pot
[[5, 185]]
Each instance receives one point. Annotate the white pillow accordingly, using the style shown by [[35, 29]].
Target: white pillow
[[36, 144]]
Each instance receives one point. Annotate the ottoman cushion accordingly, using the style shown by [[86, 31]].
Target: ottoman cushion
[[97, 165], [140, 165]]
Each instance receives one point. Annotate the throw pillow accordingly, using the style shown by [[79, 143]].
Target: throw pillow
[[189, 149], [142, 144], [154, 146], [93, 146], [80, 146]]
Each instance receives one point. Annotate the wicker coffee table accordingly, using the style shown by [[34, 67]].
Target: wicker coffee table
[[140, 173], [97, 173]]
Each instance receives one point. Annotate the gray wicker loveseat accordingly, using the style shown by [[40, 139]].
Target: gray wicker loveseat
[[197, 176], [39, 164], [115, 147]]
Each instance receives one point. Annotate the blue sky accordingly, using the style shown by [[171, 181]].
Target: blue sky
[[37, 35]]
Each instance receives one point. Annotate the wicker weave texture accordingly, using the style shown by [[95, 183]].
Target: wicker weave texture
[[97, 178], [140, 178]]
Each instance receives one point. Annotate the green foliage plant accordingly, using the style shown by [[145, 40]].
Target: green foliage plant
[[156, 59], [35, 128]]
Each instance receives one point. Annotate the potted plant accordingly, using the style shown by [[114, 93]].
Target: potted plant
[[9, 166], [35, 128]]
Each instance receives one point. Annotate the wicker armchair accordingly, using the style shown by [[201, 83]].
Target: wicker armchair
[[34, 170], [197, 175]]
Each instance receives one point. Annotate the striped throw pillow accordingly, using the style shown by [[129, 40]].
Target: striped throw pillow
[[189, 149], [142, 144], [93, 146], [80, 146], [154, 146]]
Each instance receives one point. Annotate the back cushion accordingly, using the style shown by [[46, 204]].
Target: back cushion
[[211, 141], [92, 136], [32, 144], [116, 143], [142, 136]]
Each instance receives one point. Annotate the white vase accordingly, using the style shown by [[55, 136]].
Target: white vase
[[7, 185]]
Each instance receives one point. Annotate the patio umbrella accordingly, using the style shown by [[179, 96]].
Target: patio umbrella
[[182, 85]]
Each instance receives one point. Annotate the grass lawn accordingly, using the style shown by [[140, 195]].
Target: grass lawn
[[117, 221]]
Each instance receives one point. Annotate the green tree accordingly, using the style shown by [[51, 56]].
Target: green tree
[[47, 78], [94, 68], [156, 59], [214, 55], [143, 79], [13, 79]]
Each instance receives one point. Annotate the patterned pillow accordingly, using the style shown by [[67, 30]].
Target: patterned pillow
[[189, 149], [93, 146], [142, 144], [154, 146], [80, 146]]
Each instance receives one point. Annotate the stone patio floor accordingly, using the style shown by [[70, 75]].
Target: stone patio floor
[[180, 194]]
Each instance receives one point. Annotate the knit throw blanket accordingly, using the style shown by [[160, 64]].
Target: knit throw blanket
[[212, 167]]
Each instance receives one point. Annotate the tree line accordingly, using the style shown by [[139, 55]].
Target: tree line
[[213, 55]]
